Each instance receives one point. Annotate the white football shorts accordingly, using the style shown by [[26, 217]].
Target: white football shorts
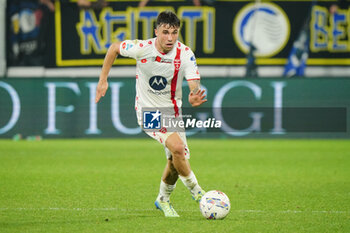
[[162, 135]]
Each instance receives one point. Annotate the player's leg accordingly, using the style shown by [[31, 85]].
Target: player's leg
[[168, 182], [170, 174], [167, 186], [177, 148]]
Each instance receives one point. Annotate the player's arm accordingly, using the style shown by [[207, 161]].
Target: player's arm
[[111, 55], [196, 96]]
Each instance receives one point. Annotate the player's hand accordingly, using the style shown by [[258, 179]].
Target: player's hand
[[101, 89], [197, 98]]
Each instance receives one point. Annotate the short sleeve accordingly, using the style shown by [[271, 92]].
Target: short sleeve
[[130, 48], [190, 67]]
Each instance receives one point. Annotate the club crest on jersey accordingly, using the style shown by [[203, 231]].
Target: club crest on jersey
[[158, 82], [177, 64]]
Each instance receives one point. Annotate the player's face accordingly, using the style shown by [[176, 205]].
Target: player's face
[[166, 37]]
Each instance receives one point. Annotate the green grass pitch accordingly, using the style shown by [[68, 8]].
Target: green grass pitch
[[110, 186]]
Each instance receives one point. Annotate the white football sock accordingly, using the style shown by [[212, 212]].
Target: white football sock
[[165, 190], [191, 183]]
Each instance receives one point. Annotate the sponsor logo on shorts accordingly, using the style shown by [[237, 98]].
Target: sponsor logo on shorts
[[129, 46], [163, 130]]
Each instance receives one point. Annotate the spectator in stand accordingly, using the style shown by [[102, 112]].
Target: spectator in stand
[[85, 4], [340, 4], [48, 3]]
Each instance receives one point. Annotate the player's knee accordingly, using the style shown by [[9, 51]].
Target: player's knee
[[178, 151]]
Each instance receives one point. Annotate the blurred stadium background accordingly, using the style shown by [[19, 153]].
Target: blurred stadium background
[[271, 55]]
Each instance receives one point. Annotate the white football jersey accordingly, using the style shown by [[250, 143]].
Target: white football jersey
[[159, 76]]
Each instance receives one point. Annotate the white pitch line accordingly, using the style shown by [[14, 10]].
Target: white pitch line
[[180, 210], [295, 211]]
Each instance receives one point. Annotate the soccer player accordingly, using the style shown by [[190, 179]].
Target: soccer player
[[162, 63]]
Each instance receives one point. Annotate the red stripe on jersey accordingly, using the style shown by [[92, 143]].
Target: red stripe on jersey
[[177, 64], [193, 79]]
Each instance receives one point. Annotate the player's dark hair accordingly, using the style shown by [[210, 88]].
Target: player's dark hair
[[168, 18]]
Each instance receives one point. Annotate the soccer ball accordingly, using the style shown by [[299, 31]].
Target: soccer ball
[[214, 205]]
